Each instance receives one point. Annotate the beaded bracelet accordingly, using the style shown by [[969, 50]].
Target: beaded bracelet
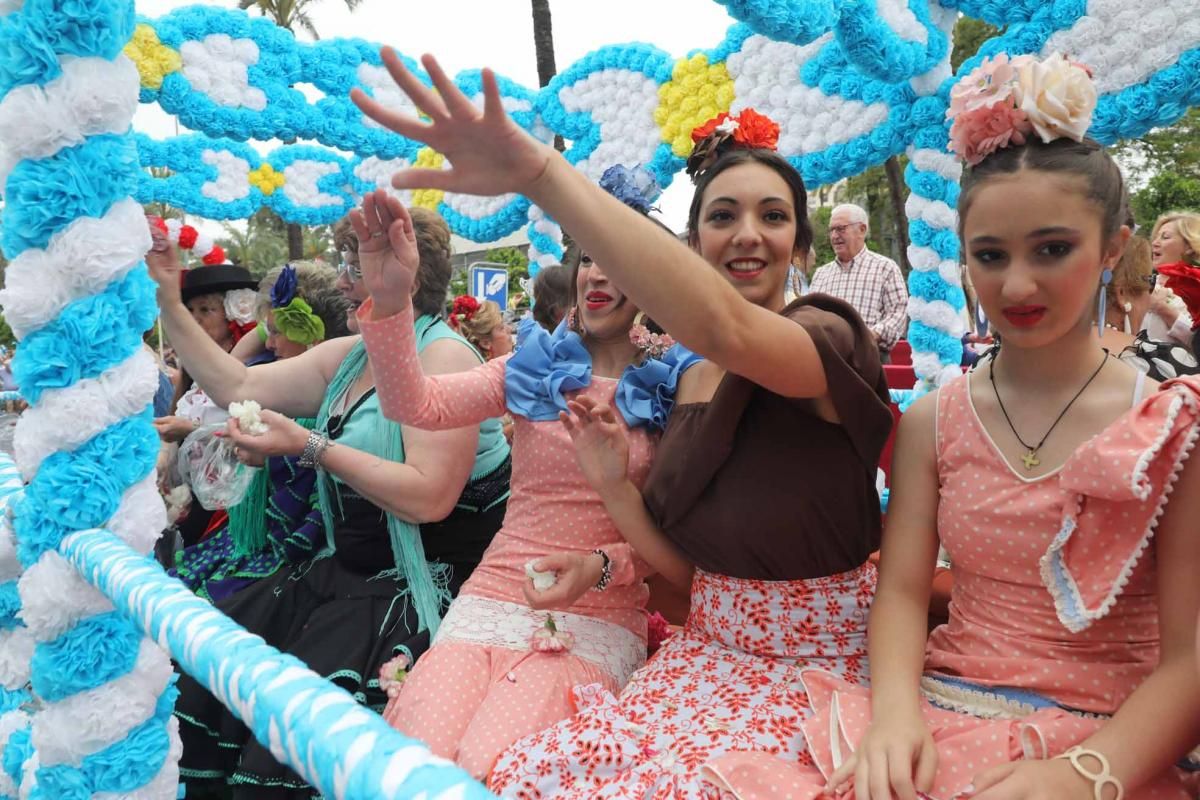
[[605, 572], [1102, 779]]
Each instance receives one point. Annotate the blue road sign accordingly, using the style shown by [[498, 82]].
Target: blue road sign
[[489, 283]]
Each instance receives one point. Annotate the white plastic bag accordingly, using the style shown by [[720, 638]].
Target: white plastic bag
[[208, 464]]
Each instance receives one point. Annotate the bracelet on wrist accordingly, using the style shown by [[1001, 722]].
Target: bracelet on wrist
[[314, 449], [605, 571], [1102, 779]]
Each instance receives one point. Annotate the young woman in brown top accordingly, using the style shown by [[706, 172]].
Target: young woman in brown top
[[762, 498]]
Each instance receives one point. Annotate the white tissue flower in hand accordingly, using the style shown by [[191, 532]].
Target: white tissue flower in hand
[[541, 580], [249, 417]]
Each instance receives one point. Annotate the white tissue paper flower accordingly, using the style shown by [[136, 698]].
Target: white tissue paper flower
[[541, 580], [248, 414]]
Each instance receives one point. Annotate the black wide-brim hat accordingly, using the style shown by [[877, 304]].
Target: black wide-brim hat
[[217, 279]]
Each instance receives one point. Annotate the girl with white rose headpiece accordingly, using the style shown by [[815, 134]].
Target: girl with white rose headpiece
[[1058, 478]]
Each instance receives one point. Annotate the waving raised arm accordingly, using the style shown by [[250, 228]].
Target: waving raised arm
[[492, 155], [294, 387]]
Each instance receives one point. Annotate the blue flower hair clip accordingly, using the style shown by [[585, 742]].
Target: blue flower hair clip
[[636, 187], [285, 287]]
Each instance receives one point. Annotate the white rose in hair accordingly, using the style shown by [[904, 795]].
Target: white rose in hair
[[249, 417], [1058, 96], [241, 305]]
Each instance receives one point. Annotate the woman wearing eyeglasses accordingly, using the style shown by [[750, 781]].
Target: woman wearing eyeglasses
[[1129, 299], [406, 513]]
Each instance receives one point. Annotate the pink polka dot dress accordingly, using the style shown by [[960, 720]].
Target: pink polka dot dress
[[481, 685], [1053, 614]]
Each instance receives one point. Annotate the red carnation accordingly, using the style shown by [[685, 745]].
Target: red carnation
[[658, 630], [214, 256], [705, 130], [187, 237], [463, 309], [238, 330], [1184, 280], [756, 130]]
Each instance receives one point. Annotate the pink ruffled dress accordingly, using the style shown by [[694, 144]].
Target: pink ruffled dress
[[1053, 615], [482, 685]]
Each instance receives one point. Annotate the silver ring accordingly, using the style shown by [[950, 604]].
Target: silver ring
[[376, 234]]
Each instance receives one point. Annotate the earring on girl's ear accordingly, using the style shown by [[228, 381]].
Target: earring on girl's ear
[[1128, 307], [573, 319], [1102, 305]]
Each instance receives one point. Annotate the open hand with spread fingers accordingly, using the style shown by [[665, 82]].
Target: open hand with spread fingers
[[488, 152], [601, 447]]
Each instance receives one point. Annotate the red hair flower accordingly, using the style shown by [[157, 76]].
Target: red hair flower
[[749, 130], [463, 310]]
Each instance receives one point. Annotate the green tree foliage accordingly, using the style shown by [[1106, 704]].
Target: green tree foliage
[[517, 261], [872, 192], [969, 35], [1166, 191], [291, 14], [820, 226], [259, 245], [1166, 164]]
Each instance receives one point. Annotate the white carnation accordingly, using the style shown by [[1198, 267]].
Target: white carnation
[[249, 417], [541, 580]]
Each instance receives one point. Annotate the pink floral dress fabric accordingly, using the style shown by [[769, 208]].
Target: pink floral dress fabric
[[729, 681], [481, 685], [1053, 614]]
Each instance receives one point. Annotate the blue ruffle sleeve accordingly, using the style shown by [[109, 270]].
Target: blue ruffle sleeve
[[545, 366], [646, 392]]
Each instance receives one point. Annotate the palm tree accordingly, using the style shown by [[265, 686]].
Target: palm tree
[[289, 14], [543, 41], [543, 49]]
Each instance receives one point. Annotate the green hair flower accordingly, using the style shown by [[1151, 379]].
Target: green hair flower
[[298, 323]]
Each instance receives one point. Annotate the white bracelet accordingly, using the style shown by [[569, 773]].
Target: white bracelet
[[1102, 779]]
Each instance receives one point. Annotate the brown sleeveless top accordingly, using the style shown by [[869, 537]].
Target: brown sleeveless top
[[754, 485]]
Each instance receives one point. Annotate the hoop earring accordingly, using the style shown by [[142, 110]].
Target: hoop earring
[[573, 320], [1102, 303]]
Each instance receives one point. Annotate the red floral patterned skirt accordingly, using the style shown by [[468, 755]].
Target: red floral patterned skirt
[[729, 682]]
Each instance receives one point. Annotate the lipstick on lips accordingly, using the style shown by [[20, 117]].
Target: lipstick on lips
[[1024, 316], [596, 300]]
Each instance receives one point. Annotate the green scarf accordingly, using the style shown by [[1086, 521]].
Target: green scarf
[[248, 519], [426, 586]]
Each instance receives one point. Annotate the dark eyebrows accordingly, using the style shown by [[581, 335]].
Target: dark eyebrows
[[733, 201], [1057, 230]]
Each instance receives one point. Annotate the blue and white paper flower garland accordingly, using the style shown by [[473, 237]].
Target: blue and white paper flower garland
[[79, 297]]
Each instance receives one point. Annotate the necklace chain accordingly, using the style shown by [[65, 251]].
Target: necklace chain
[[1030, 458]]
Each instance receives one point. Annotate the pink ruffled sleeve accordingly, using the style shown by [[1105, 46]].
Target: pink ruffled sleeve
[[1117, 486], [408, 396]]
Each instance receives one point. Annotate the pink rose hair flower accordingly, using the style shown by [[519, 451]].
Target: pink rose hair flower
[[1003, 101]]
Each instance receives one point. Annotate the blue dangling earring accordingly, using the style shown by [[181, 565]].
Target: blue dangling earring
[[1102, 304]]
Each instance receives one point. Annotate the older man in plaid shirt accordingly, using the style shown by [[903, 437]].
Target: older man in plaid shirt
[[868, 281]]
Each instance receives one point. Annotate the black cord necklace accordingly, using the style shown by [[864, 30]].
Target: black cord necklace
[[1030, 459]]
